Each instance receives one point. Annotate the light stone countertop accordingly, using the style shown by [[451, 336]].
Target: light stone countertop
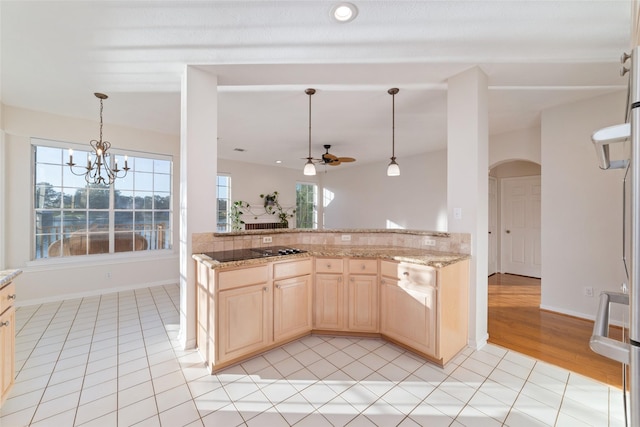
[[6, 276], [411, 255]]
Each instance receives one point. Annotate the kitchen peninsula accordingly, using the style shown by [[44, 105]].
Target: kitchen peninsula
[[408, 287]]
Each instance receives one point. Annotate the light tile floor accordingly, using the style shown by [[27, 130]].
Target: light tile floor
[[114, 360]]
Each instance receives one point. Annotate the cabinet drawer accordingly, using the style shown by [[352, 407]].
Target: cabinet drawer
[[292, 268], [229, 279], [411, 273], [329, 265], [7, 296], [363, 266]]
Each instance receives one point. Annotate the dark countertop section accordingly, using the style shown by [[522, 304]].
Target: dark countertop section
[[411, 255]]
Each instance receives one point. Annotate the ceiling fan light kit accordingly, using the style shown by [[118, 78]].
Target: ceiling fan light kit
[[393, 169]]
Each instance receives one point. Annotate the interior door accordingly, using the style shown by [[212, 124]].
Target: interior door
[[520, 231], [493, 226]]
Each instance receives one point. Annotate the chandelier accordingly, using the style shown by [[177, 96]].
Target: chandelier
[[99, 169]]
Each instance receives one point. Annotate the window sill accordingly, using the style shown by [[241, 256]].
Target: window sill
[[102, 259]]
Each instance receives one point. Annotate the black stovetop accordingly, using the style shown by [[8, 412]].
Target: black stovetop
[[244, 254]]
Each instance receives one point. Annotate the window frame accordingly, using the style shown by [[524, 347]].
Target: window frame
[[229, 201], [315, 214], [111, 211]]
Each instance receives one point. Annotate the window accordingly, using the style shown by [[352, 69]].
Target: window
[[223, 203], [306, 206], [72, 217]]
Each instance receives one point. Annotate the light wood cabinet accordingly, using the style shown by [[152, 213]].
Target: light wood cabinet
[[426, 308], [292, 299], [346, 295], [362, 289], [243, 317], [7, 339], [243, 311]]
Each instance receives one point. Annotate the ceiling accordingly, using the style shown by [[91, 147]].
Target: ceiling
[[536, 54]]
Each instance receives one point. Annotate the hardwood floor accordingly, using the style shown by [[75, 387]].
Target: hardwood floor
[[516, 322]]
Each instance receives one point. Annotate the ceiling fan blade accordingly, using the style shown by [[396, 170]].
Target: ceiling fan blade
[[335, 162], [329, 157], [346, 159]]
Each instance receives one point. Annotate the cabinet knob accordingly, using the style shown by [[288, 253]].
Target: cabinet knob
[[352, 279], [4, 323], [266, 289], [278, 286], [11, 296], [406, 273], [328, 265], [364, 267]]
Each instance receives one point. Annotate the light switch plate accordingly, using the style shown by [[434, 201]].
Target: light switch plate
[[267, 239]]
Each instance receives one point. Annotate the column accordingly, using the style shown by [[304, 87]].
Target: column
[[198, 172], [467, 185]]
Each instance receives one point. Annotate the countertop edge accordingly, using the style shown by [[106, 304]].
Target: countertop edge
[[6, 276], [414, 256]]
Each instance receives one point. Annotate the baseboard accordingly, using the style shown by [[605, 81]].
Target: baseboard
[[97, 292], [478, 344], [579, 315]]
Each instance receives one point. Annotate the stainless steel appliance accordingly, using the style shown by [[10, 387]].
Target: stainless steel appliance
[[626, 351]]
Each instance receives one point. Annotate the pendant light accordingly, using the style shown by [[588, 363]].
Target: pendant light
[[393, 169], [309, 168]]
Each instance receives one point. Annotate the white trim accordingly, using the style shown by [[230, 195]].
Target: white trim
[[580, 315], [77, 295], [478, 344], [3, 198], [63, 263]]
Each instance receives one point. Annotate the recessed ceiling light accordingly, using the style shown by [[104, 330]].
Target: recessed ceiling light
[[278, 161], [344, 12]]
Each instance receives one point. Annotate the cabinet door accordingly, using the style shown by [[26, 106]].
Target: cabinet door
[[7, 351], [329, 305], [363, 303], [409, 316], [291, 307], [243, 320]]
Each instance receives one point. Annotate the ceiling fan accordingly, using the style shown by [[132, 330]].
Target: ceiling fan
[[332, 160]]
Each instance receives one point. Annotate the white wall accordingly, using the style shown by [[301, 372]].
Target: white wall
[[518, 145], [365, 197], [63, 278], [248, 181], [581, 207]]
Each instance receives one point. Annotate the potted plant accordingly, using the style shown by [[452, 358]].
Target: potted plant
[[272, 206], [235, 212]]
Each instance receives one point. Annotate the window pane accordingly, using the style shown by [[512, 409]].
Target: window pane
[[75, 198], [47, 197], [71, 180], [48, 222], [162, 166], [73, 221], [143, 181], [98, 220], [98, 243], [98, 197], [141, 165], [162, 183], [49, 155], [125, 183], [143, 200], [124, 242], [144, 221], [123, 199], [48, 245], [49, 174], [162, 201], [123, 221]]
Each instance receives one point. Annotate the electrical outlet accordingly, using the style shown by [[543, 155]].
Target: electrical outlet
[[107, 275], [267, 239], [588, 291], [346, 237], [430, 242], [457, 213]]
